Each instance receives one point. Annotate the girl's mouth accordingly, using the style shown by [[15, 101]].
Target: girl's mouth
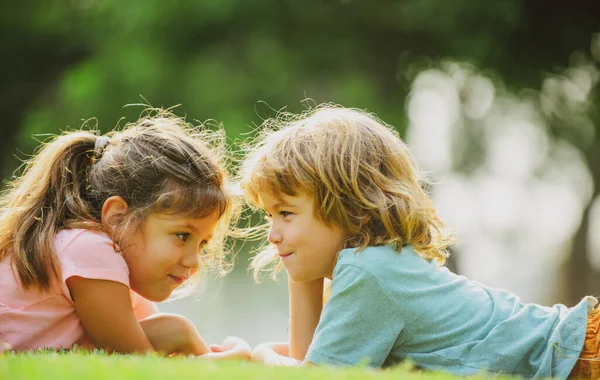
[[178, 280]]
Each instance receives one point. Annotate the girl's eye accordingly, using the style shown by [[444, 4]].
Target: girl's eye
[[202, 250], [285, 213], [183, 236]]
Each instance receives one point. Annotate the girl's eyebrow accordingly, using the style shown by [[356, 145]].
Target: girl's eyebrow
[[192, 228], [187, 226]]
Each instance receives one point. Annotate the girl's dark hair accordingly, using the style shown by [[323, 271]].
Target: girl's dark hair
[[158, 164]]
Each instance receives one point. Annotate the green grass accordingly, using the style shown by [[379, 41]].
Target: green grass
[[77, 366]]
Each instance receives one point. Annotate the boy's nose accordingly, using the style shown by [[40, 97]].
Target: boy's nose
[[274, 236]]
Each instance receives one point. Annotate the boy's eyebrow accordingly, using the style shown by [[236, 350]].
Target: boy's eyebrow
[[282, 204]]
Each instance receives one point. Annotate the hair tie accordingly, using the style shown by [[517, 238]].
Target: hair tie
[[100, 145]]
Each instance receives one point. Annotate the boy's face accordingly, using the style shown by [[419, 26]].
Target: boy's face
[[307, 247]]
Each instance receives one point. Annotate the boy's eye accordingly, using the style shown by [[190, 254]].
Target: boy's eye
[[183, 236], [282, 213]]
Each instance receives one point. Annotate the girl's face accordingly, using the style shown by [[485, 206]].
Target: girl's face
[[164, 252], [307, 247]]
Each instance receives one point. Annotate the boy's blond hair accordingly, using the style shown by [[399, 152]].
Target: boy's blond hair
[[359, 173]]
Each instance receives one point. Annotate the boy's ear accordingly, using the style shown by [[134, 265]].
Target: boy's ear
[[113, 210], [364, 220]]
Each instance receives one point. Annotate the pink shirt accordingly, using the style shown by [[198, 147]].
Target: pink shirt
[[33, 319]]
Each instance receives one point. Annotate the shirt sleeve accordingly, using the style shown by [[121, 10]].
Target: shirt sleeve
[[91, 254], [359, 324]]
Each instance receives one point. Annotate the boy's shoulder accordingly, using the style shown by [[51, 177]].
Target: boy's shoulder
[[379, 260], [362, 257]]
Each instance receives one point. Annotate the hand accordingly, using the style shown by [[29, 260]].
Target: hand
[[172, 334], [274, 354], [233, 348], [4, 347]]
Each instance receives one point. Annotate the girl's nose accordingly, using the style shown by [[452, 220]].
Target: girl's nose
[[191, 259]]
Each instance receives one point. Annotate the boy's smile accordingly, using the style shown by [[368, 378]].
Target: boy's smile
[[307, 247]]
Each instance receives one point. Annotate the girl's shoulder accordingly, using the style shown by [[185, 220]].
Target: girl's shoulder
[[85, 247], [66, 237], [90, 254]]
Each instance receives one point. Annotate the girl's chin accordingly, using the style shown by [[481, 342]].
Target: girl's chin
[[156, 296]]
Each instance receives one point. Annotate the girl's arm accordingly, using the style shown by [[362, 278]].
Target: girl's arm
[[105, 310], [173, 334], [306, 303]]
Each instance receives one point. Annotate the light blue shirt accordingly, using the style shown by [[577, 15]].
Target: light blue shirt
[[386, 306]]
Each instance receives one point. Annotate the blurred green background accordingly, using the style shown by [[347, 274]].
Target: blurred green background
[[498, 99]]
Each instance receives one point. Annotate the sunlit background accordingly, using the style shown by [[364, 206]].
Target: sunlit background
[[498, 101]]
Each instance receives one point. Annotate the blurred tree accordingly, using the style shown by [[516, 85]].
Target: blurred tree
[[219, 58], [239, 62], [37, 45]]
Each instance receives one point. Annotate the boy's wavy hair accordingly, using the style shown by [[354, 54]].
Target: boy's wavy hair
[[359, 173], [159, 164]]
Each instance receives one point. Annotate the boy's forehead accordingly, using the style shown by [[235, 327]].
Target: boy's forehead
[[272, 197]]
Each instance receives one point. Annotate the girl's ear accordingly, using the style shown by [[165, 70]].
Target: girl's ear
[[113, 210]]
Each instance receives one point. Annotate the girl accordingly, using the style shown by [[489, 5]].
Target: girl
[[346, 203], [99, 227]]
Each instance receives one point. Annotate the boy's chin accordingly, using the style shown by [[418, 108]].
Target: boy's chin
[[302, 277]]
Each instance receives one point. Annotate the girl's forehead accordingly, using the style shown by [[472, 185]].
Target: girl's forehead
[[184, 218]]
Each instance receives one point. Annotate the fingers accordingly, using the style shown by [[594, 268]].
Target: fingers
[[231, 341], [227, 355], [216, 348], [274, 354], [4, 347], [232, 348], [259, 354], [282, 348]]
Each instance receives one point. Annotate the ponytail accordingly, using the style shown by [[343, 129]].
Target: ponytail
[[49, 194]]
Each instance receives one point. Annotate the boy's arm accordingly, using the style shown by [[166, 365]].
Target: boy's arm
[[360, 321], [306, 303]]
